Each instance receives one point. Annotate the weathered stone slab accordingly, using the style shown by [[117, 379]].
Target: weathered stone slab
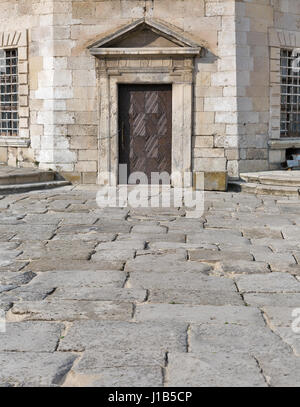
[[152, 229], [121, 245], [13, 278], [293, 269], [86, 237], [40, 232], [26, 293], [111, 213], [291, 233], [9, 246], [43, 219], [79, 278], [195, 297], [71, 310], [118, 368], [164, 263], [6, 236], [289, 337], [93, 362], [78, 218], [213, 256], [218, 236], [88, 293], [28, 369], [244, 267], [213, 370], [113, 255], [168, 237], [129, 336], [75, 250], [14, 266], [233, 338], [268, 283], [164, 254], [272, 299], [204, 314], [188, 280], [280, 316], [32, 249], [139, 376], [69, 264], [185, 225], [113, 226], [186, 246], [277, 245], [261, 232], [30, 337], [276, 259], [281, 370]]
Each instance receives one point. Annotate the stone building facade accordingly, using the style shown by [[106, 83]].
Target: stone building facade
[[63, 62]]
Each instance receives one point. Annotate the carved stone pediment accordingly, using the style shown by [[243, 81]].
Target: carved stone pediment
[[145, 37]]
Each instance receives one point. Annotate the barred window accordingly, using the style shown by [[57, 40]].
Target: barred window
[[290, 95], [9, 118]]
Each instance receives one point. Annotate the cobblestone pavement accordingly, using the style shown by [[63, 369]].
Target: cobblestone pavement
[[149, 297]]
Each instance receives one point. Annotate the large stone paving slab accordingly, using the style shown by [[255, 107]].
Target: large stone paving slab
[[150, 336], [30, 337], [204, 314], [72, 310], [195, 297], [31, 370], [213, 370], [118, 369], [234, 338], [73, 279], [268, 283], [190, 280]]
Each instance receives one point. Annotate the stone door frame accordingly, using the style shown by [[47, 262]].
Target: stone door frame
[[144, 66]]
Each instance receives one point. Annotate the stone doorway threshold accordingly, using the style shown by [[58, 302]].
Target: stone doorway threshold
[[18, 180], [268, 183]]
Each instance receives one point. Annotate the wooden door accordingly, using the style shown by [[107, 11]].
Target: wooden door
[[145, 128]]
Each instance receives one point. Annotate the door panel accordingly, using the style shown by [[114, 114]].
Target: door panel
[[145, 128]]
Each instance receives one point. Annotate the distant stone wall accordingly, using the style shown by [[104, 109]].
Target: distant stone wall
[[263, 26]]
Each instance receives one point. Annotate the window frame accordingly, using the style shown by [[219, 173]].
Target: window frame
[[19, 40], [9, 93], [289, 96]]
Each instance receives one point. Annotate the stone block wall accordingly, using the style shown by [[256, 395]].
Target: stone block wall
[[233, 105], [263, 27]]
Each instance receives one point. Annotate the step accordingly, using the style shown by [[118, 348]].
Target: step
[[18, 177], [263, 189], [20, 188], [276, 178]]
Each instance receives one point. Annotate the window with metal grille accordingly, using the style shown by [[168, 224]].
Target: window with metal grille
[[9, 118], [290, 95]]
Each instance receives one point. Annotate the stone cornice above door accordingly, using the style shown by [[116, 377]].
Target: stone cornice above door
[[145, 37]]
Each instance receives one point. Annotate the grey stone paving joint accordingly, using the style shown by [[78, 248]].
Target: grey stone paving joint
[[149, 297]]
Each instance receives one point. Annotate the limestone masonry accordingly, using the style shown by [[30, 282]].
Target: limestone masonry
[[222, 58]]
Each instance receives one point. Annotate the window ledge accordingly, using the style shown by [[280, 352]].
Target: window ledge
[[14, 142]]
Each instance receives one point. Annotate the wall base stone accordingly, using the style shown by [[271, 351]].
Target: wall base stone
[[213, 181]]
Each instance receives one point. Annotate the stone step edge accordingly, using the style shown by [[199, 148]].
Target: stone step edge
[[271, 180], [19, 188], [26, 178], [263, 189]]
